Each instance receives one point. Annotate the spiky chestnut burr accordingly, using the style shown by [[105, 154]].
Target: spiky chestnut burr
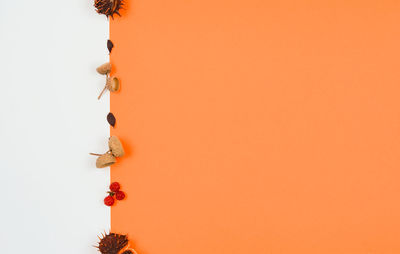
[[108, 7], [128, 252], [112, 243]]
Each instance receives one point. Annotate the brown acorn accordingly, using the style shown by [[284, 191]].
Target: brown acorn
[[108, 7], [105, 160], [112, 243], [104, 69], [115, 146], [113, 84]]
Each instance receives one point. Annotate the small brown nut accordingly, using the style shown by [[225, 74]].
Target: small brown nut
[[113, 84], [116, 147], [104, 69], [105, 160]]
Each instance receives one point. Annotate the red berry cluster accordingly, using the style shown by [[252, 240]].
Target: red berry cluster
[[114, 192]]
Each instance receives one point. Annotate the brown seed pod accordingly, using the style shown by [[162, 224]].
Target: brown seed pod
[[105, 160], [113, 84], [112, 243], [104, 69], [116, 147]]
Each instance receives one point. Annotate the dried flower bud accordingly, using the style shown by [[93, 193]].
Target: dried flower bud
[[105, 160], [104, 69], [116, 147]]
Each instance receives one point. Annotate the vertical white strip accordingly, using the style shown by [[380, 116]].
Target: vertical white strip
[[51, 193]]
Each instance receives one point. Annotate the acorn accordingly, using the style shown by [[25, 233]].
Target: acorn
[[105, 160], [109, 158], [113, 84], [115, 146], [104, 69]]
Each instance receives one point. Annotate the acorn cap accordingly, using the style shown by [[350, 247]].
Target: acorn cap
[[105, 160], [116, 147], [104, 69], [113, 84]]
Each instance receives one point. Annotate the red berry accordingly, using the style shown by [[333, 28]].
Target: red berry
[[119, 195], [114, 187], [109, 201]]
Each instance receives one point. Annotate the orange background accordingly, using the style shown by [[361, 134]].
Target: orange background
[[258, 126]]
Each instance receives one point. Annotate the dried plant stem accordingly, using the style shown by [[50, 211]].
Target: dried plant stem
[[104, 89], [98, 154], [95, 154]]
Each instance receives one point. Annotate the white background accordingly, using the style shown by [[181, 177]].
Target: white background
[[51, 193]]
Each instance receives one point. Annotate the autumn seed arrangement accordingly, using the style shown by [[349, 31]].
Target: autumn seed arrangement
[[111, 243]]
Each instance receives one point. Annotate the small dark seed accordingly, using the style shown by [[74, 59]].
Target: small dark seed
[[111, 119], [110, 46]]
